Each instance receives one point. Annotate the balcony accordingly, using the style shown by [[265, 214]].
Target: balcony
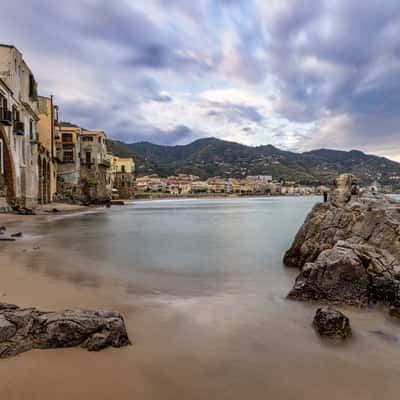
[[5, 116], [20, 128], [106, 163]]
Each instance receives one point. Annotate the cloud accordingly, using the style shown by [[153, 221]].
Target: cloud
[[294, 73]]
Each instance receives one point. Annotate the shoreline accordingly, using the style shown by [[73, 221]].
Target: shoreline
[[45, 212]]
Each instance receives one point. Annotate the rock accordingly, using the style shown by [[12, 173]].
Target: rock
[[337, 276], [25, 329], [18, 234], [346, 186], [331, 323], [7, 330], [348, 249], [394, 311], [24, 211]]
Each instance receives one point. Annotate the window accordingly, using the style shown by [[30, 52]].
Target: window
[[67, 137], [1, 158], [3, 106], [88, 157], [123, 169], [99, 139], [22, 149], [15, 116], [87, 138], [68, 156], [32, 87], [31, 129]]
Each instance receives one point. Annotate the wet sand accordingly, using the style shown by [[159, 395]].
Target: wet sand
[[185, 347]]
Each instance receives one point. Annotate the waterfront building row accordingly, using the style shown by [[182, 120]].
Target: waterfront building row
[[43, 159], [189, 184]]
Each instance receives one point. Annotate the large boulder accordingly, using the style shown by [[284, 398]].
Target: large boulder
[[25, 329], [332, 323], [348, 249], [346, 185]]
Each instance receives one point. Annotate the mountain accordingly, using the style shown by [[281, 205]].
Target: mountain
[[214, 157]]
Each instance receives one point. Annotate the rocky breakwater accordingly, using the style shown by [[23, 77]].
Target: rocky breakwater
[[24, 329], [348, 249]]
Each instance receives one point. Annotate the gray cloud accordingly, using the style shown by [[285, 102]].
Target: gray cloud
[[235, 113]]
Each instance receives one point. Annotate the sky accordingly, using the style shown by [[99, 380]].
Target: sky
[[298, 74]]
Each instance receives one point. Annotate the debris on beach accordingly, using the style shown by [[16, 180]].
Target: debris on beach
[[16, 235], [24, 211]]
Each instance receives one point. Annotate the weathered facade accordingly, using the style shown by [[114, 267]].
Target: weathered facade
[[67, 141], [123, 176], [18, 130], [47, 160], [95, 179]]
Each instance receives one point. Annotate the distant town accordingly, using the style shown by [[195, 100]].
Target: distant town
[[183, 184]]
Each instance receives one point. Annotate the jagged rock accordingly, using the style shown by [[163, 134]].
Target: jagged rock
[[332, 323], [346, 186], [7, 330], [25, 329], [348, 249]]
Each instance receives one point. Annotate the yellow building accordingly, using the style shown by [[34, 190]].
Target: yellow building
[[47, 161], [122, 176], [216, 185]]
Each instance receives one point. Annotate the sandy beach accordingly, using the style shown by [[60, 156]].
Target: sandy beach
[[184, 348]]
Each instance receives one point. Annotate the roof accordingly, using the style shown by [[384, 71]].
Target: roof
[[94, 133], [65, 124], [10, 46]]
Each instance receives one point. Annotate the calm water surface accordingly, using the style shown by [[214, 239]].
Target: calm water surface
[[191, 246]]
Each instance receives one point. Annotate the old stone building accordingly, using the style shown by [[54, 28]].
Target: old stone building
[[47, 154], [18, 133], [123, 176], [67, 141], [95, 179]]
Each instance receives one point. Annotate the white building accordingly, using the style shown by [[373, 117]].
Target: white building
[[260, 178], [18, 133]]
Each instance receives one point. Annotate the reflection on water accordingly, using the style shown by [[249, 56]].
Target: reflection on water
[[193, 246]]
